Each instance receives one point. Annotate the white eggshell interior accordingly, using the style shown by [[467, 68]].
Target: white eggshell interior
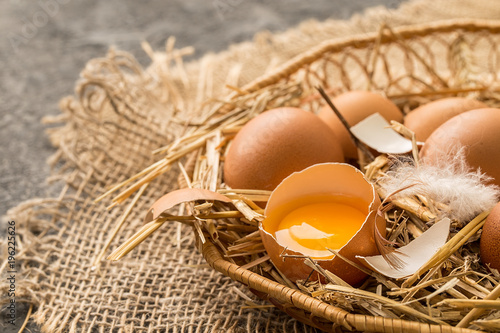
[[376, 133]]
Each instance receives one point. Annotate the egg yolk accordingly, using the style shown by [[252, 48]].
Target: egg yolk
[[314, 228]]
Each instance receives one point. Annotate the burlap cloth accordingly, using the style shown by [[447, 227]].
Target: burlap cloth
[[119, 114]]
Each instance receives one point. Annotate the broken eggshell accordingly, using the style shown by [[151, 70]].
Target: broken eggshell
[[330, 179], [355, 106], [413, 255], [376, 133], [176, 197]]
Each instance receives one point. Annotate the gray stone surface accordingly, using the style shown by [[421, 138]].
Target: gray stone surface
[[44, 44]]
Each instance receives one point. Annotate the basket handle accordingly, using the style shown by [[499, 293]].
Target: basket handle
[[317, 308], [362, 41]]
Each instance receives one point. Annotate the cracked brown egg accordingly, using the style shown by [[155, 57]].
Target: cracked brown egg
[[326, 207], [275, 144]]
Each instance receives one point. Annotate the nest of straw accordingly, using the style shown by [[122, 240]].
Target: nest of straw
[[452, 291]]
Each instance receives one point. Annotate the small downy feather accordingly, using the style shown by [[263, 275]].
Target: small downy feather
[[460, 193]]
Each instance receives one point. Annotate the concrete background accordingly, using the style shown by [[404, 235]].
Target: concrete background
[[44, 44]]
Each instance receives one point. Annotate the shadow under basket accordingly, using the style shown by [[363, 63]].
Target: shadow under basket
[[411, 65]]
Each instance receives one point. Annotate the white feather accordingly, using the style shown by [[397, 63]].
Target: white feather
[[452, 182]]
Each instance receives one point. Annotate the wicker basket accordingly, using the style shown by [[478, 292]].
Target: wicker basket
[[410, 65]]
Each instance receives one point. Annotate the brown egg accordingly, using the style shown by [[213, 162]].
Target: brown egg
[[477, 131], [275, 144], [489, 245], [326, 206], [427, 117], [356, 106]]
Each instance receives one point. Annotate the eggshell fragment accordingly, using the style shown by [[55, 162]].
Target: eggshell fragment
[[276, 143], [428, 117], [489, 245], [355, 106], [176, 197], [376, 133], [413, 255], [477, 131], [337, 179]]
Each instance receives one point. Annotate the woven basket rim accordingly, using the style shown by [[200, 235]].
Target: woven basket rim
[[316, 307], [281, 293], [362, 40]]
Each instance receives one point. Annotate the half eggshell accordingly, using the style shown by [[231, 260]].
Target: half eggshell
[[338, 180]]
